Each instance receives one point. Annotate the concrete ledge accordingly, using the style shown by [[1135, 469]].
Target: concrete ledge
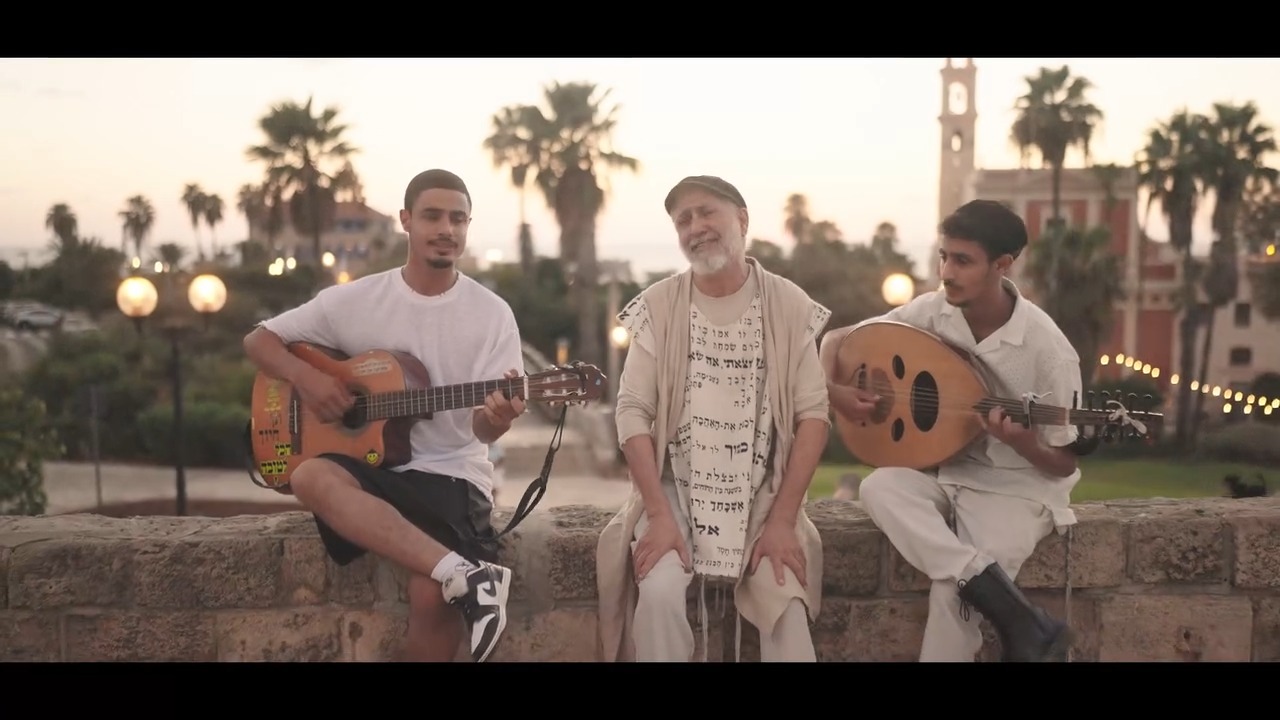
[[1194, 580]]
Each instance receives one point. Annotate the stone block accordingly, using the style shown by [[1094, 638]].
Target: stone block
[[1097, 557], [284, 635], [70, 572], [559, 635], [303, 571], [353, 584], [881, 630], [903, 577], [1187, 628], [140, 636], [851, 560], [377, 635], [1178, 550], [1266, 629], [4, 577], [218, 571], [30, 636], [1257, 544]]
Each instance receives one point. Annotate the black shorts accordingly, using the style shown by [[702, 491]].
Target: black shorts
[[451, 510]]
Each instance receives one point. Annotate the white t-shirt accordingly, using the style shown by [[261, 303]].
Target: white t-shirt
[[467, 334], [1028, 353]]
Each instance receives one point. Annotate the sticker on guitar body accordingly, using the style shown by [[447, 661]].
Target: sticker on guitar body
[[370, 367]]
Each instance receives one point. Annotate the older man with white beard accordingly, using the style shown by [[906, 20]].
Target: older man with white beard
[[722, 414]]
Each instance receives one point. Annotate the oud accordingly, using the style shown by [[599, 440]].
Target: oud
[[393, 392], [933, 392]]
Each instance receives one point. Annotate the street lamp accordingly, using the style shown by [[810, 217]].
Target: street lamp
[[138, 298], [898, 289]]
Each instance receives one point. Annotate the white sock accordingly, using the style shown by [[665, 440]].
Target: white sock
[[448, 565]]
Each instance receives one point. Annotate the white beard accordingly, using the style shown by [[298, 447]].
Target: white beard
[[710, 263]]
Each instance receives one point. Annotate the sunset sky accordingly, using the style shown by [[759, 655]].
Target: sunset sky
[[859, 137]]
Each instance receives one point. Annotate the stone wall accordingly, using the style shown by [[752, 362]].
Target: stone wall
[[1150, 580]]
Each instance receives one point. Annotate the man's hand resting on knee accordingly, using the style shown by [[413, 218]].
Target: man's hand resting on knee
[[661, 537], [778, 542]]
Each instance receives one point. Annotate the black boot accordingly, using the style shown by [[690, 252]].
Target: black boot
[[1027, 633]]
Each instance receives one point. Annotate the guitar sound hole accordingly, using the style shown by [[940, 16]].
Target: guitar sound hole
[[357, 416], [924, 401]]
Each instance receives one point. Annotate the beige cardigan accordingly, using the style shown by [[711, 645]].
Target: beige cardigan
[[787, 338]]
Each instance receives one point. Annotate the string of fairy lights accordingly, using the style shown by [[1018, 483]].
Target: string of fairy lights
[[1233, 400]]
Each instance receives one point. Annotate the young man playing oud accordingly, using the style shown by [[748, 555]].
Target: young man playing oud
[[432, 514], [971, 525]]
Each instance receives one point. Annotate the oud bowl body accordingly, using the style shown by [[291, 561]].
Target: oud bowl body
[[927, 389]]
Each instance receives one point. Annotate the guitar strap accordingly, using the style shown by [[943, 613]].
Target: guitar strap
[[532, 495]]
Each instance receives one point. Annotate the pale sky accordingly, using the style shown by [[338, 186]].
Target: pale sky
[[859, 137]]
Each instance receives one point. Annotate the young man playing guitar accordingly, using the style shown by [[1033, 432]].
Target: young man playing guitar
[[970, 525], [432, 514]]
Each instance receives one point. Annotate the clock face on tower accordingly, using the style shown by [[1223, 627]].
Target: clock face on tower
[[957, 98]]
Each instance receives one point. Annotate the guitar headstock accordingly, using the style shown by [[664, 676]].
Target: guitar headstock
[[1118, 417], [573, 384]]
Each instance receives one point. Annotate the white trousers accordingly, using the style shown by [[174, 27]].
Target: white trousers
[[913, 510], [661, 626]]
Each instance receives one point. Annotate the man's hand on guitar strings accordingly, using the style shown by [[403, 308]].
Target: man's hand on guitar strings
[[500, 410], [325, 395]]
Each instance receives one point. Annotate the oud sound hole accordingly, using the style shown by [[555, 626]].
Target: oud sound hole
[[924, 401], [899, 367], [897, 429]]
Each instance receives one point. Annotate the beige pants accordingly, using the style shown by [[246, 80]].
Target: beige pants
[[661, 629], [913, 510]]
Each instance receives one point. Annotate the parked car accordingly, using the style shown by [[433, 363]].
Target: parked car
[[36, 318]]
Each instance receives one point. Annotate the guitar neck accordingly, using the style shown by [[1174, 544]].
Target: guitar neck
[[419, 401], [1044, 414]]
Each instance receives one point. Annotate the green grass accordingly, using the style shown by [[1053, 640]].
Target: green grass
[[1109, 479]]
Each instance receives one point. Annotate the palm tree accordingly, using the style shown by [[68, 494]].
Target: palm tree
[[1172, 168], [194, 198], [137, 219], [1082, 296], [212, 216], [1053, 117], [64, 224], [1236, 144], [299, 147], [566, 152]]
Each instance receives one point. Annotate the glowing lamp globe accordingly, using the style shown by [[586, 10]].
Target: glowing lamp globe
[[618, 336], [137, 297], [207, 293], [898, 289]]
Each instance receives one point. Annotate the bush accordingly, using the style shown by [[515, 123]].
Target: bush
[[213, 434], [1248, 442], [27, 439]]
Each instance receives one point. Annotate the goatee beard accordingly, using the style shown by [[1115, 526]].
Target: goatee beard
[[440, 263]]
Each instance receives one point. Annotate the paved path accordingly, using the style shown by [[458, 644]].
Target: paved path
[[71, 487]]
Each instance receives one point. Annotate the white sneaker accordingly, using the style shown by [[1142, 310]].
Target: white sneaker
[[481, 593]]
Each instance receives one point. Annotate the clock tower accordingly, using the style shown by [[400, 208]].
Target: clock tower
[[958, 122]]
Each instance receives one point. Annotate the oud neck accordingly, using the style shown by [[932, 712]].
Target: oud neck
[[1043, 414], [442, 398]]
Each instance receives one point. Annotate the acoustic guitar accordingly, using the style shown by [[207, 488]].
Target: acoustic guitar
[[932, 393], [393, 391]]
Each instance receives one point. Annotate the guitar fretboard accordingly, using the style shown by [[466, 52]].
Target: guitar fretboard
[[419, 401]]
